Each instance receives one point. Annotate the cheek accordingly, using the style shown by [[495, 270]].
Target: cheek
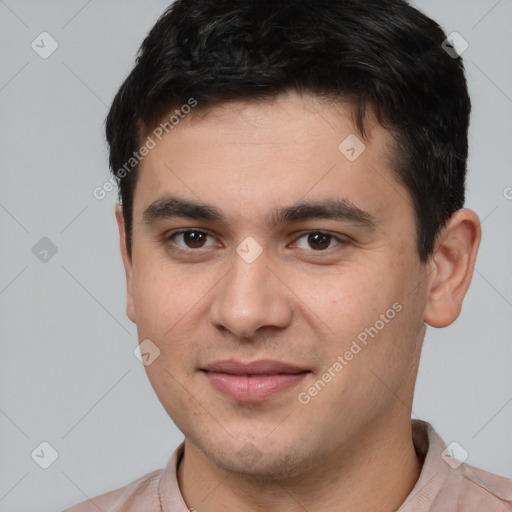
[[366, 311], [348, 301], [163, 295], [155, 306], [170, 305]]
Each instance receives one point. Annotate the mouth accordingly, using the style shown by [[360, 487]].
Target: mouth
[[253, 382]]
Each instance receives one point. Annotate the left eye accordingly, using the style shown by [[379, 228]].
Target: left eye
[[319, 241]]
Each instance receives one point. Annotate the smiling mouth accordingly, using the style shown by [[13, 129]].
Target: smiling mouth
[[253, 382]]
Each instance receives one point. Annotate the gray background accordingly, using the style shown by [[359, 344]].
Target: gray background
[[69, 375]]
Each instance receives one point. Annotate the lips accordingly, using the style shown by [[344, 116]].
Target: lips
[[261, 367], [255, 381]]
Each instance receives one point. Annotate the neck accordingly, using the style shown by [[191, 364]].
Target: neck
[[375, 476]]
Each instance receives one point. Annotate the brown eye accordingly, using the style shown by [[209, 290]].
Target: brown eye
[[319, 241], [192, 239]]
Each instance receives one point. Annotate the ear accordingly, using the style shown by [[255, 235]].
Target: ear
[[127, 262], [452, 263]]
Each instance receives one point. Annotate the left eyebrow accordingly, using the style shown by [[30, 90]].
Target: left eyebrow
[[336, 209]]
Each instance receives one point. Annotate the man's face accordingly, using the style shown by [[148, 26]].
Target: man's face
[[302, 289]]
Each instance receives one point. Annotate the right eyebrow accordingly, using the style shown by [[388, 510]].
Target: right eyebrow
[[170, 206]]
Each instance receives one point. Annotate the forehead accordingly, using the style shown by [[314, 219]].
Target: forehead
[[254, 155], [262, 120]]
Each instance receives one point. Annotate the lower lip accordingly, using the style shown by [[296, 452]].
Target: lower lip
[[253, 388]]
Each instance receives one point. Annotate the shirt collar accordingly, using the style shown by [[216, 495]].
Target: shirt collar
[[434, 472]]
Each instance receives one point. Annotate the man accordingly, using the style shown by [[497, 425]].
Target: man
[[291, 178]]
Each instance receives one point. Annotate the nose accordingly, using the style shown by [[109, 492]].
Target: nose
[[251, 296]]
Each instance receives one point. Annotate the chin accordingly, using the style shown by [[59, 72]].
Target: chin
[[258, 458]]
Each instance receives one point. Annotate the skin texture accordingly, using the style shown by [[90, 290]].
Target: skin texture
[[349, 447]]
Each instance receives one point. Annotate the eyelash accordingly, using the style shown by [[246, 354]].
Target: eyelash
[[173, 234]]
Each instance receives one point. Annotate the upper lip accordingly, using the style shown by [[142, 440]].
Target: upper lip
[[261, 367]]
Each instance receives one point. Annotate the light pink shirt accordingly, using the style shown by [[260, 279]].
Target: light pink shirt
[[441, 487]]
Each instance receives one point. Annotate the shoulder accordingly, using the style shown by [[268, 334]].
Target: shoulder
[[141, 494], [475, 489], [446, 483]]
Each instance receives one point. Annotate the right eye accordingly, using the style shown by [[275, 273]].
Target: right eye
[[191, 238]]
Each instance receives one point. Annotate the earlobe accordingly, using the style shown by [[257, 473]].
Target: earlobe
[[127, 262], [453, 263]]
